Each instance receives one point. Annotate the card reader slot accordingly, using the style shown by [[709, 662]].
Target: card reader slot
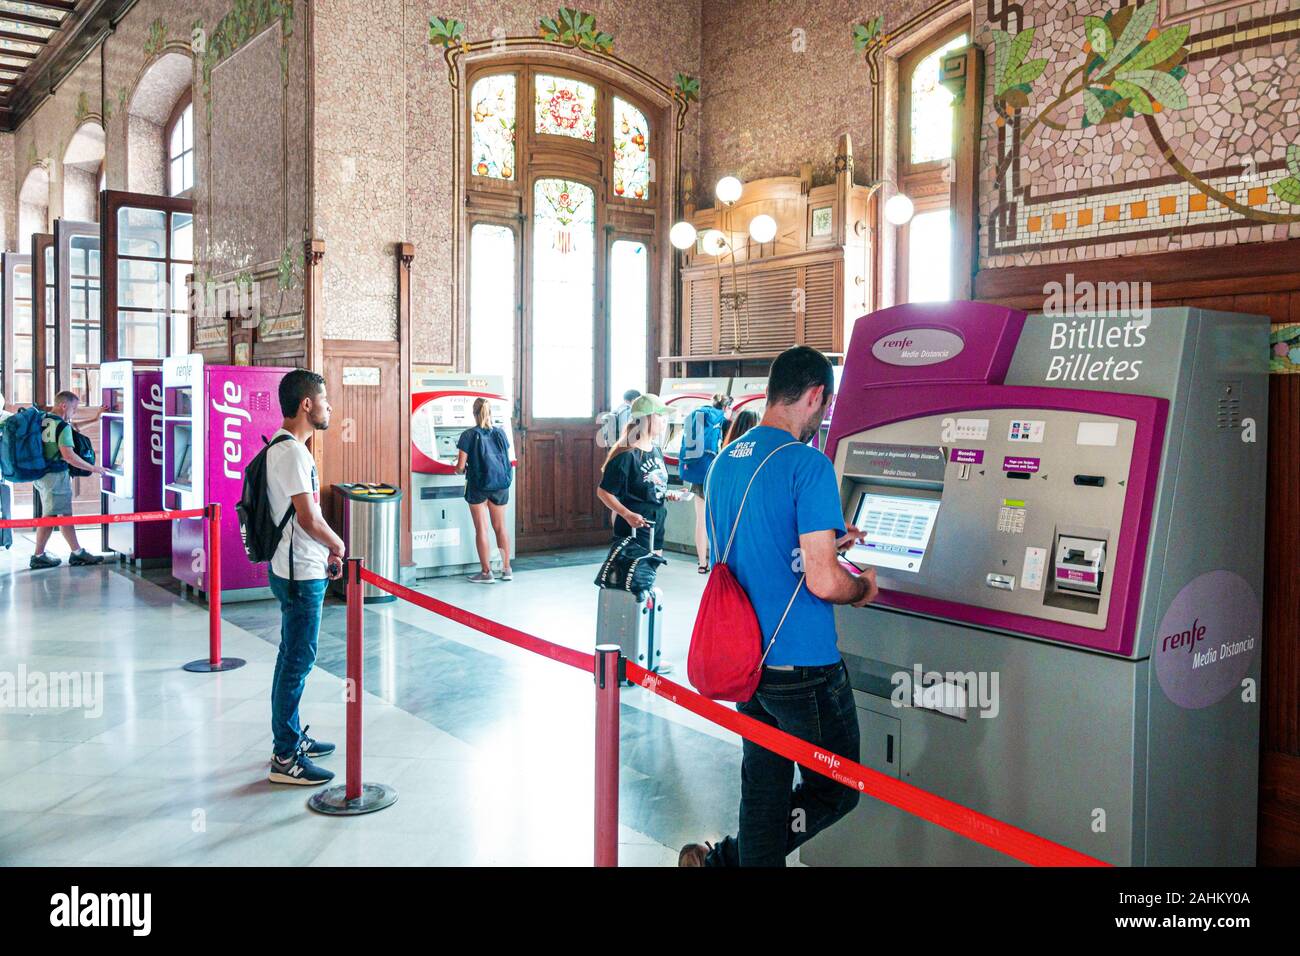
[[1091, 481]]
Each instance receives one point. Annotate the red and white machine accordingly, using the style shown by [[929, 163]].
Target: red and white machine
[[442, 407]]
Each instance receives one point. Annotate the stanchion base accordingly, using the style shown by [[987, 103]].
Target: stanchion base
[[206, 666], [335, 803]]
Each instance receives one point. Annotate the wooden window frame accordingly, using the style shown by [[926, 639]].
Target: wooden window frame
[[42, 394], [923, 183], [13, 261], [111, 201], [185, 102]]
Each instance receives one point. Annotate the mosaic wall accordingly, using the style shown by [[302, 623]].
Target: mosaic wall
[[392, 181], [781, 82], [1181, 141], [153, 28]]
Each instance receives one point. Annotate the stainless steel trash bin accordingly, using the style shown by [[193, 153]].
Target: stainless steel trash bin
[[372, 523]]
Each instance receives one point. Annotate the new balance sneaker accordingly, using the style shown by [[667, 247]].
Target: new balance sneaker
[[39, 561], [83, 557], [298, 770], [482, 578], [506, 575], [315, 748]]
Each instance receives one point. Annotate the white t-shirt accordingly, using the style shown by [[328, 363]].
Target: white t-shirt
[[291, 471]]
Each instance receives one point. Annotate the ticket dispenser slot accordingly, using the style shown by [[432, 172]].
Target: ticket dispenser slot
[[445, 443], [1078, 571]]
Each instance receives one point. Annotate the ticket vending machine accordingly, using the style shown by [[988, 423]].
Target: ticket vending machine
[[131, 443], [442, 530], [683, 396], [215, 418], [749, 395], [1066, 518]]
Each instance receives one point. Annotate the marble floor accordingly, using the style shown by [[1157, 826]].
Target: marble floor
[[489, 747]]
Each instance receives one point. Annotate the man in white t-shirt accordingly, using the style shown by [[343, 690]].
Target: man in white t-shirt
[[308, 555]]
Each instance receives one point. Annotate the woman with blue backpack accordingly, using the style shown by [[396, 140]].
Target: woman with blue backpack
[[701, 439], [484, 460]]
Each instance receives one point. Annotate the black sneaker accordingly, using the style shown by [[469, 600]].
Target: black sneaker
[[299, 770], [83, 557], [39, 561], [314, 748]]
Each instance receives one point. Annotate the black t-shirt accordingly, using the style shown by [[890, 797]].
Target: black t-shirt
[[639, 480]]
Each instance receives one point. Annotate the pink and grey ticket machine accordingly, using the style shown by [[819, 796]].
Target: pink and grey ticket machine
[[1065, 515], [214, 420], [131, 443]]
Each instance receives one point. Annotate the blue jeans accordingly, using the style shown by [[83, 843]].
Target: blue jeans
[[815, 704], [300, 606]]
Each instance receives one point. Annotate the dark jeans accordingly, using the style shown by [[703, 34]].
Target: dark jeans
[[300, 605], [815, 704]]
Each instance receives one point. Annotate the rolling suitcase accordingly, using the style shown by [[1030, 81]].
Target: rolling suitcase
[[632, 622]]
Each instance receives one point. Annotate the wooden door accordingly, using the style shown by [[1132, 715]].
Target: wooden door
[[562, 378], [45, 344]]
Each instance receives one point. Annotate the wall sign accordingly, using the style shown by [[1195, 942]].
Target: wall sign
[[360, 375]]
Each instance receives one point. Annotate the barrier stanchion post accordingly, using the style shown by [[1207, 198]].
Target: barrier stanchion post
[[354, 797], [212, 564], [609, 663]]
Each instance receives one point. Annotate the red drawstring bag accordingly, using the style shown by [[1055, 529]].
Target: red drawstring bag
[[726, 658]]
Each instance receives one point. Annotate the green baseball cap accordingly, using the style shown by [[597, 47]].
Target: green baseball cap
[[648, 404]]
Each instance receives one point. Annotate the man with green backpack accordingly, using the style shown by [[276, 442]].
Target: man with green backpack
[[54, 488]]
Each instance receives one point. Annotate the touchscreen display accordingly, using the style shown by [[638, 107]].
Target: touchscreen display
[[897, 530]]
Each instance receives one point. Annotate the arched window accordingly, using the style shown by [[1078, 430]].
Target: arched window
[[180, 148], [561, 272], [925, 152]]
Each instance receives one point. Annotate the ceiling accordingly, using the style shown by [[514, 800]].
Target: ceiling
[[41, 42]]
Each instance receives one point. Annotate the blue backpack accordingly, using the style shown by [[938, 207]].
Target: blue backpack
[[22, 451], [701, 436]]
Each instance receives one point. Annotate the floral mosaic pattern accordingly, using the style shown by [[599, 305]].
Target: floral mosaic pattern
[[1284, 356], [1142, 131], [631, 151], [565, 107], [492, 126]]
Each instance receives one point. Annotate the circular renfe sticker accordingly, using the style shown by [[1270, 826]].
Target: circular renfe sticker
[[917, 347], [1207, 639]]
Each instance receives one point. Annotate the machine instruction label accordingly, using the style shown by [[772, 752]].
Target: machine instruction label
[[1031, 575], [967, 456], [871, 460], [1016, 463]]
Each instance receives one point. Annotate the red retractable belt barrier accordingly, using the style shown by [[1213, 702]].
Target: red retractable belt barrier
[[212, 517], [1003, 837], [557, 652], [60, 522]]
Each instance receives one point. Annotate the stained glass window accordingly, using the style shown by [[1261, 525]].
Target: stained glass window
[[492, 126], [492, 302], [629, 315], [564, 272], [932, 107], [929, 264], [631, 151], [565, 107]]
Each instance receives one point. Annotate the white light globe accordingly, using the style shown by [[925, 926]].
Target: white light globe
[[899, 209], [728, 189], [762, 228], [715, 243], [682, 235]]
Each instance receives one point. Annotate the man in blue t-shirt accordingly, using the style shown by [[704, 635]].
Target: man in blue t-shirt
[[791, 526]]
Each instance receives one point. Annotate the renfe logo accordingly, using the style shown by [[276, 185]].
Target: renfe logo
[[231, 445], [154, 407], [1189, 637], [911, 347]]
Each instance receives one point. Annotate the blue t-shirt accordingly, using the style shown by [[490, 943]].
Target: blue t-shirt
[[701, 436], [796, 493]]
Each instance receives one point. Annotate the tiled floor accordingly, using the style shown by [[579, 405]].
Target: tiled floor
[[489, 747]]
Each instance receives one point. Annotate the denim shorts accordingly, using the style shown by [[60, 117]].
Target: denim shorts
[[55, 491]]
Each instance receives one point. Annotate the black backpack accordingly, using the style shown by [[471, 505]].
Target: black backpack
[[82, 446], [492, 463], [258, 528]]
